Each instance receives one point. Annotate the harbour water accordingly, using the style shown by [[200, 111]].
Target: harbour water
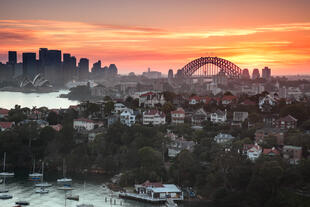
[[92, 194], [51, 100]]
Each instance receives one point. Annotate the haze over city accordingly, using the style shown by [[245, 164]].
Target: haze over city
[[139, 34]]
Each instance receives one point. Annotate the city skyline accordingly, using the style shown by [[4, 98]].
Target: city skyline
[[139, 35]]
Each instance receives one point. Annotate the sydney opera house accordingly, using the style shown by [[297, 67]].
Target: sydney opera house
[[38, 82]]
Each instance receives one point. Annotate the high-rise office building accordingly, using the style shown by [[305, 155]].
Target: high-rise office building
[[42, 60], [69, 67], [83, 69], [170, 74], [53, 67], [29, 65], [266, 73], [245, 74], [12, 57], [255, 74]]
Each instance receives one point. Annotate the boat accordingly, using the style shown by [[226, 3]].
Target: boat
[[5, 197], [22, 203], [170, 203], [42, 190], [65, 188], [85, 205], [73, 197], [35, 176], [64, 180], [43, 185]]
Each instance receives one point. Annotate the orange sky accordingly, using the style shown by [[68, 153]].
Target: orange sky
[[160, 34]]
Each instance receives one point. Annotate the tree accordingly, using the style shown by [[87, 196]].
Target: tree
[[52, 118], [108, 108]]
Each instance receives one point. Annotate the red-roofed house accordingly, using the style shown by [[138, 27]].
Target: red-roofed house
[[271, 152], [56, 127], [194, 100], [254, 152], [3, 113], [226, 100], [178, 116], [154, 117], [6, 125], [287, 122]]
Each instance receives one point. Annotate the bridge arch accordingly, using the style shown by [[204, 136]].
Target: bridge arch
[[206, 65]]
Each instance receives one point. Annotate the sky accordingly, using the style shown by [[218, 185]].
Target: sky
[[163, 34]]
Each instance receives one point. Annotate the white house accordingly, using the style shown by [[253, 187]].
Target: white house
[[159, 191], [222, 138], [254, 152], [218, 116], [266, 103], [83, 123], [127, 117], [150, 99], [119, 108], [154, 117], [178, 116], [179, 144]]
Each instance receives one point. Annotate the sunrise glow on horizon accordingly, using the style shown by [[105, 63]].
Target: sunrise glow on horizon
[[135, 37]]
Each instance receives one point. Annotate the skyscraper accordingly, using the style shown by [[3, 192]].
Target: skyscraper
[[53, 69], [29, 65], [170, 74], [83, 69], [266, 73], [255, 74], [42, 60], [245, 74], [69, 67], [12, 57]]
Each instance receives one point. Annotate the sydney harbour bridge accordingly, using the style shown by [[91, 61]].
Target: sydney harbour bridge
[[208, 67]]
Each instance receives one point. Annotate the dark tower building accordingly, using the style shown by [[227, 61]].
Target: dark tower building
[[83, 69], [266, 73], [255, 74], [29, 65], [12, 57], [112, 70], [53, 70], [245, 74], [69, 66], [96, 69], [170, 74]]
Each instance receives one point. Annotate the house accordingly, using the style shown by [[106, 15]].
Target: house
[[83, 124], [127, 117], [239, 116], [40, 123], [154, 117], [287, 122], [178, 144], [119, 108], [194, 100], [6, 125], [269, 119], [271, 152], [3, 113], [254, 152], [223, 138], [178, 116], [228, 100], [218, 116], [56, 127], [159, 191], [261, 134], [199, 116], [151, 99], [292, 153], [266, 103]]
